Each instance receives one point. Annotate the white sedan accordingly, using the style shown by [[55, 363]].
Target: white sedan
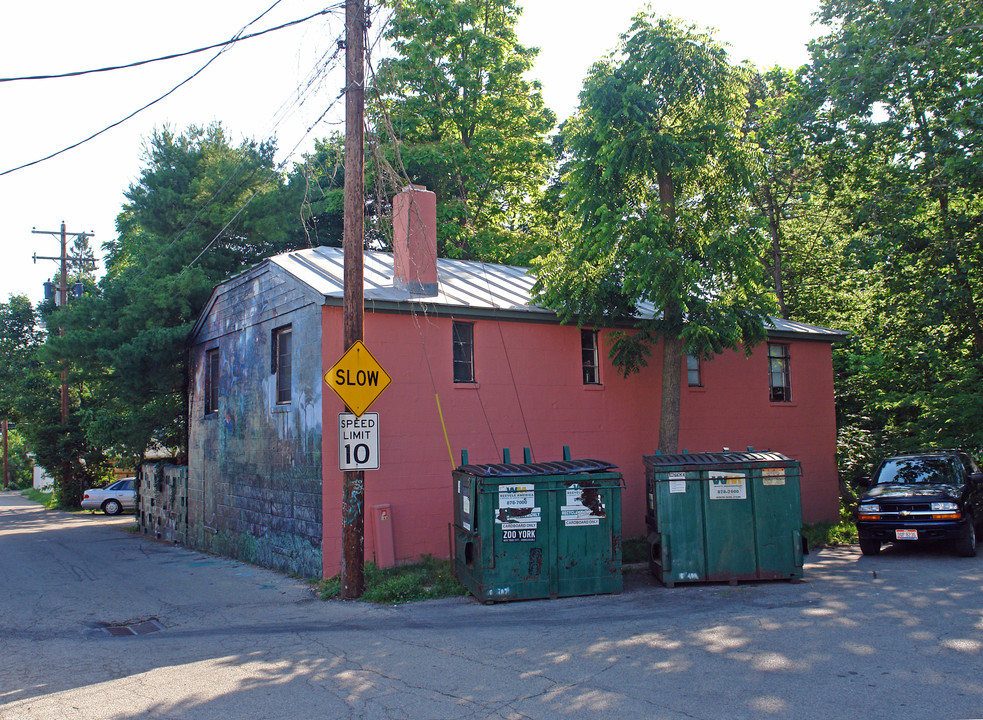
[[112, 499]]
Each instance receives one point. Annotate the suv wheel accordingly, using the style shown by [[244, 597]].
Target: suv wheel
[[870, 547], [966, 545]]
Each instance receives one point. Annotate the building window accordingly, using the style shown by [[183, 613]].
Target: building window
[[282, 363], [778, 375], [463, 352], [694, 371], [211, 381], [588, 353]]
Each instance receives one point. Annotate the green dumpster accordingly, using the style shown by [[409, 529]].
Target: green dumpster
[[537, 530], [726, 516]]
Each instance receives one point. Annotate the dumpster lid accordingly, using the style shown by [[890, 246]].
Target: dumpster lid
[[715, 458], [561, 467]]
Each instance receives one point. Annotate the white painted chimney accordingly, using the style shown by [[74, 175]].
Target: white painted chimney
[[415, 241]]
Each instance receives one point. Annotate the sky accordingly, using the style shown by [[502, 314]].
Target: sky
[[279, 85]]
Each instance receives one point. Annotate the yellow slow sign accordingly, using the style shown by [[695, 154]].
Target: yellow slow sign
[[358, 378]]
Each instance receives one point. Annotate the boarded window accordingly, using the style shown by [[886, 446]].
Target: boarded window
[[694, 371], [463, 352], [283, 363], [779, 382], [588, 355], [211, 381]]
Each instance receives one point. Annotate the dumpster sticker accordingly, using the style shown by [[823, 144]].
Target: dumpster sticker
[[515, 533], [517, 510], [727, 486], [773, 476], [583, 507], [516, 496], [466, 512], [522, 516], [580, 521], [677, 482]]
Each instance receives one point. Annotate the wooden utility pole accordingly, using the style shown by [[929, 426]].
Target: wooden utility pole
[[352, 504], [62, 304]]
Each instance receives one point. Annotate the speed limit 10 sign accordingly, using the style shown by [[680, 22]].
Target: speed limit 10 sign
[[358, 441]]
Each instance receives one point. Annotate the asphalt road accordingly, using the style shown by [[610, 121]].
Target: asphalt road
[[898, 636]]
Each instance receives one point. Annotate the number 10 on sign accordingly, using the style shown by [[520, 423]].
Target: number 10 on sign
[[358, 441]]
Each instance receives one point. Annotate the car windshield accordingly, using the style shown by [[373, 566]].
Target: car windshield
[[907, 471]]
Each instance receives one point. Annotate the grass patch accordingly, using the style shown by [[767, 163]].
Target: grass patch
[[634, 550], [42, 498], [50, 500], [428, 579], [827, 534]]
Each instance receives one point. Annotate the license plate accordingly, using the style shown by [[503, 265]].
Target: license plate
[[906, 534]]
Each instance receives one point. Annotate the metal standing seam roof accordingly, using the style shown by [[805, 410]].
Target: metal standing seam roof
[[460, 283], [476, 286]]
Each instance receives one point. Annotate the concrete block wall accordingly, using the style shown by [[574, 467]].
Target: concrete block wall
[[255, 466], [162, 501]]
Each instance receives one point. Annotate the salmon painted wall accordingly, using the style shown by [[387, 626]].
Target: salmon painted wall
[[530, 393], [733, 410]]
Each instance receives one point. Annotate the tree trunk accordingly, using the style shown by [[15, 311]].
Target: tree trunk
[[672, 344], [672, 356], [775, 231]]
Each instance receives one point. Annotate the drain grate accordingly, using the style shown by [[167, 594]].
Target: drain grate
[[139, 627]]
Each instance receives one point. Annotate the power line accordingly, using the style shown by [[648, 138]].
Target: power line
[[174, 89], [259, 189], [106, 129], [324, 65], [327, 66], [172, 56]]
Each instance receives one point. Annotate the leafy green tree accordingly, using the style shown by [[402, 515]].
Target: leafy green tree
[[453, 111], [20, 337], [30, 385], [19, 461], [780, 130], [316, 191], [201, 210], [317, 188], [658, 189], [901, 82]]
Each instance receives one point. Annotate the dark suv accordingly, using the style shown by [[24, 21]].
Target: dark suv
[[934, 495]]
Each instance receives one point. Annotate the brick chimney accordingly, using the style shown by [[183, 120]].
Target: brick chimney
[[415, 241]]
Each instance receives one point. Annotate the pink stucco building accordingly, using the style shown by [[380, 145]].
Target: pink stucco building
[[468, 351]]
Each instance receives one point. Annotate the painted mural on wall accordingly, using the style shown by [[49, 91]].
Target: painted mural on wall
[[255, 459]]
